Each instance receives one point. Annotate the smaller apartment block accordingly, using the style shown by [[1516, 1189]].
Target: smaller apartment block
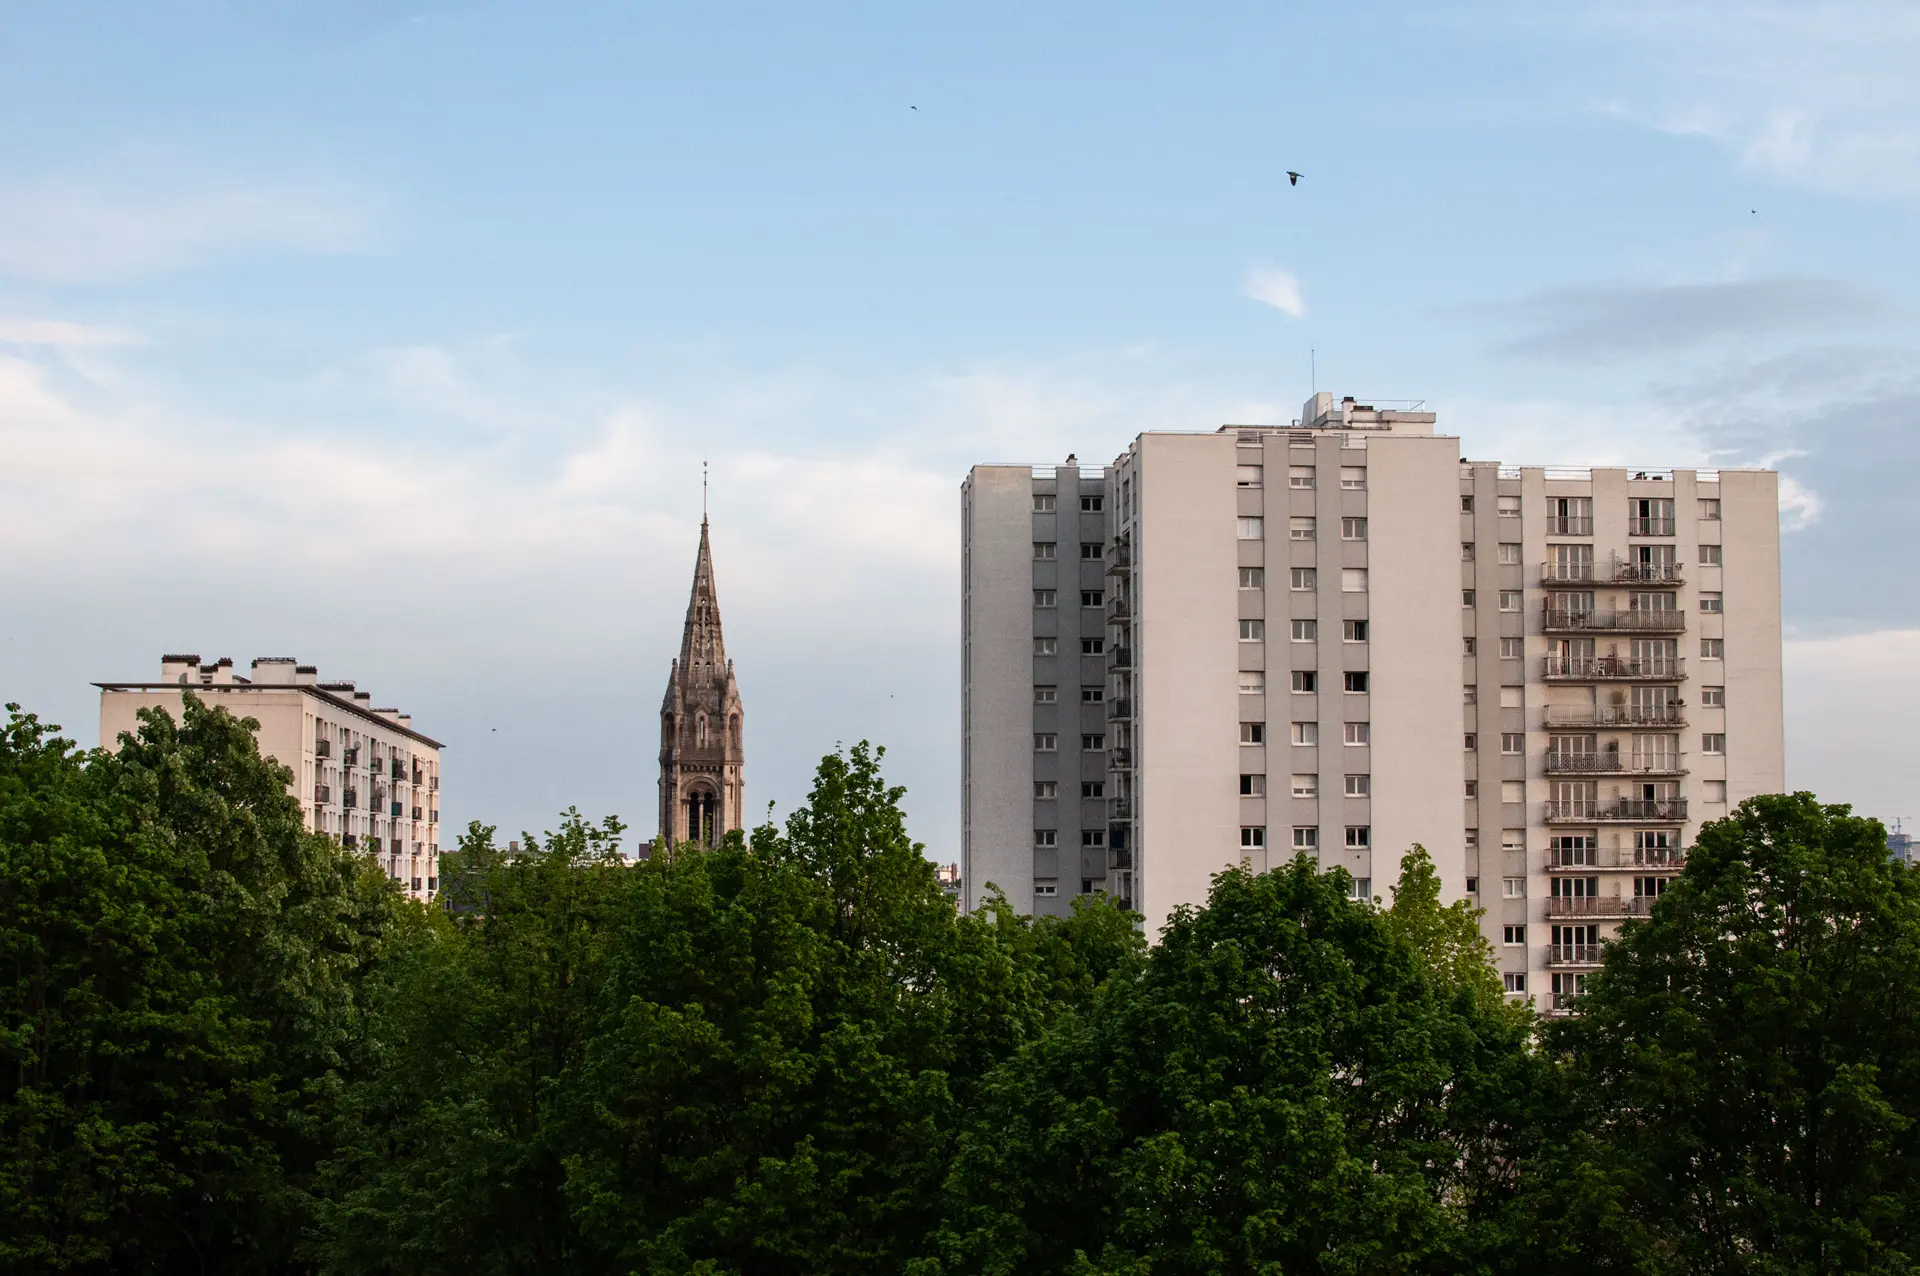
[[362, 774], [1339, 638]]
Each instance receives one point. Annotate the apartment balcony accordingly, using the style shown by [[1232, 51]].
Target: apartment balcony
[[1561, 1004], [1119, 759], [1569, 526], [1647, 574], [1610, 620], [350, 758], [1119, 560], [1119, 810], [394, 810], [348, 840], [419, 813], [1671, 714], [433, 784], [1597, 859], [1649, 527], [399, 770], [1617, 572], [349, 799], [322, 794], [1120, 658], [1120, 710], [433, 817], [1600, 907], [419, 776], [1619, 811], [1119, 612], [1612, 762], [323, 748], [1614, 669], [1563, 956], [1119, 858]]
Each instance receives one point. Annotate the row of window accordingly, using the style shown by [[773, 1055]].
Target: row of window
[[1353, 478], [1306, 837], [1355, 733], [1299, 528], [1047, 551], [1049, 742], [1051, 695], [1091, 790], [1299, 630], [1509, 554], [1051, 646], [1044, 503], [1515, 742], [1513, 600], [1088, 598], [1307, 786], [1580, 508]]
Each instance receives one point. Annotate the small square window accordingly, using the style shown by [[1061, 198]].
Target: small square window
[[1300, 476], [1466, 505], [1092, 597], [1468, 598], [1713, 697], [1473, 788], [1046, 888], [1043, 598], [1716, 791], [1362, 888], [1046, 837], [1513, 935], [1095, 743], [1709, 601], [1356, 682], [1253, 786], [1305, 733], [1045, 646], [1093, 789], [1509, 600], [1513, 742], [1092, 550], [1043, 549], [1252, 837], [1250, 529], [1510, 553], [1473, 886], [1093, 837], [1713, 648], [1514, 981], [1353, 631], [1360, 786], [1253, 577], [1046, 742], [1043, 503], [1253, 630], [1306, 786], [1507, 506], [1305, 681], [1300, 529], [1305, 837], [1304, 631], [1514, 840], [1358, 732], [1353, 529], [1092, 695], [1246, 476], [1353, 477], [1513, 648], [1710, 556], [1710, 508], [1253, 733], [1466, 551], [1302, 580], [1513, 887], [1713, 742], [1473, 741], [1466, 646], [1252, 682], [1353, 580], [1046, 789], [1472, 843], [1045, 695], [1359, 837], [1092, 504], [1092, 646]]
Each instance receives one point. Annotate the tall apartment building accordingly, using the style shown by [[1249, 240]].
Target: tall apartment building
[[1336, 637], [361, 774]]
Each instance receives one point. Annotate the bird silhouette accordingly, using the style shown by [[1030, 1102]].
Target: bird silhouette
[[913, 108], [1293, 178]]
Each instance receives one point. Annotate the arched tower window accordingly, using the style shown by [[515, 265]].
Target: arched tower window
[[700, 729], [733, 730]]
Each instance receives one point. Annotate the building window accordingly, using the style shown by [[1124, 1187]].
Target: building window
[[1466, 551], [1300, 476], [1043, 503], [1353, 529], [1046, 888], [1362, 888], [1043, 598], [1513, 742], [1470, 694], [1046, 837], [1093, 790], [1713, 648], [1305, 837], [1513, 887], [1246, 476], [1356, 682], [1305, 682], [1710, 508], [1092, 597], [1507, 506], [1045, 646], [1253, 630], [1045, 742], [1473, 788], [1043, 550], [1093, 837], [1300, 529], [1473, 741], [1092, 695], [1303, 630], [1092, 550], [1513, 648], [1353, 631], [1509, 600], [1514, 981], [1466, 505], [1358, 732], [1253, 682], [1514, 936], [1472, 843], [1306, 786], [1092, 646], [1510, 553], [1302, 580], [1043, 789], [1709, 602], [1466, 646], [1359, 837], [1305, 733], [1716, 791], [1250, 529], [1044, 695], [1713, 697], [1467, 598], [1253, 577], [1710, 556], [1093, 743], [1252, 838], [1353, 580], [1253, 733], [1091, 504], [1353, 477], [1713, 742], [1253, 786], [1359, 786]]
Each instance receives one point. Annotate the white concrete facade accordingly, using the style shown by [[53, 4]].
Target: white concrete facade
[[1302, 627], [362, 774]]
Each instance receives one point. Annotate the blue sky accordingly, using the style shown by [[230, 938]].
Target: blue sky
[[392, 336]]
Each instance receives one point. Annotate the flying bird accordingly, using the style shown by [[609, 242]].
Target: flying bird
[[1293, 178], [913, 108]]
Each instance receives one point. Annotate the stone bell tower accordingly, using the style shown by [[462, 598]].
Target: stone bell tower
[[702, 788]]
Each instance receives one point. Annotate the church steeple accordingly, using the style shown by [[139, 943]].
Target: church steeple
[[702, 789]]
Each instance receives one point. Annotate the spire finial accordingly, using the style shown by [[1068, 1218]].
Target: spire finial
[[703, 491]]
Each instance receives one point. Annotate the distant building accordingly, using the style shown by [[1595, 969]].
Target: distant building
[[1900, 844], [948, 875], [702, 761], [362, 774]]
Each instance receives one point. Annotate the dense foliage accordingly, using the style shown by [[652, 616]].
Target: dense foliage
[[227, 1045]]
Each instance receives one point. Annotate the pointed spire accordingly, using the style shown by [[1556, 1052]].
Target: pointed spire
[[703, 652]]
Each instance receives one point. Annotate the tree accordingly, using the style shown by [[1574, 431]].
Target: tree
[[185, 962], [1747, 1063], [1446, 937], [1284, 1085]]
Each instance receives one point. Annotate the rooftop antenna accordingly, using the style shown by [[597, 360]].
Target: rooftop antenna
[[1313, 369]]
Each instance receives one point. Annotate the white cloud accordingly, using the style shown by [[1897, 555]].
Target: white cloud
[[1800, 507], [60, 332], [1850, 706], [1277, 288]]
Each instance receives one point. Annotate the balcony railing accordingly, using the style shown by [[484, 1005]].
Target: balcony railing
[[1118, 611], [1119, 759], [1649, 527], [1562, 1003], [349, 799], [1119, 559], [399, 770], [419, 813], [1568, 525], [1573, 954], [1119, 857], [1617, 572], [1647, 574], [1119, 810], [323, 748], [1120, 710], [322, 793], [1619, 811], [1584, 859], [1600, 905], [1615, 668], [1611, 620], [419, 776], [1120, 658], [1612, 762], [1671, 714]]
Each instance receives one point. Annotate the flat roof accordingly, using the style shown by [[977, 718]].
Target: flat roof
[[303, 688]]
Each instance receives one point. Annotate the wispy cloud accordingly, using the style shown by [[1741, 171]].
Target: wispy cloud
[[1277, 288], [63, 333], [1627, 320]]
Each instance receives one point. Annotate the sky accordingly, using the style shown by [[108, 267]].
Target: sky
[[392, 336]]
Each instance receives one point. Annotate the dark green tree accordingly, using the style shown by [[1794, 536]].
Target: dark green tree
[[1746, 1067]]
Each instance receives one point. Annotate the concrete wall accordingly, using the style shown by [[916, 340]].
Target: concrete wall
[[1754, 725]]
